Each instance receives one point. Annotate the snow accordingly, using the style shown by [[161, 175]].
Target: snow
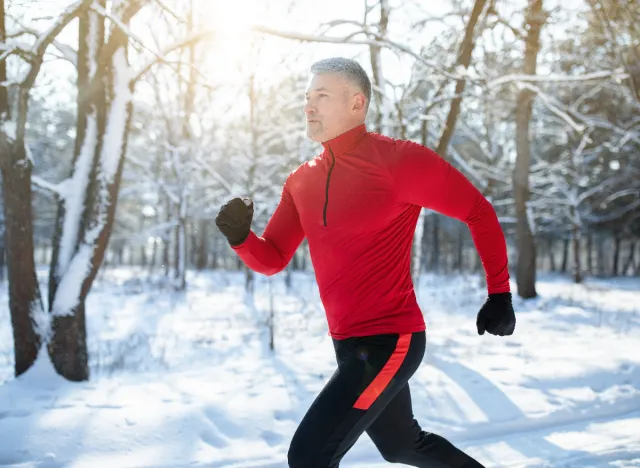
[[114, 134], [68, 293], [9, 128], [186, 378], [74, 191]]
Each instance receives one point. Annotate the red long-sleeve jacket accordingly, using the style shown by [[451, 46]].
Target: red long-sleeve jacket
[[358, 204]]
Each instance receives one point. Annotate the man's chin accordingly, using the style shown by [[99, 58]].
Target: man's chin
[[314, 137]]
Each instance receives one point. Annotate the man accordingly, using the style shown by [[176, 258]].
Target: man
[[358, 203]]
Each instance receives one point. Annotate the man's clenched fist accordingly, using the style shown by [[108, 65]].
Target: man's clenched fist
[[234, 220], [496, 315]]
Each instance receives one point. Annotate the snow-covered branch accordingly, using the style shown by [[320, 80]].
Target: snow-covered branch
[[68, 52], [38, 50], [554, 106], [57, 189], [618, 73], [160, 57]]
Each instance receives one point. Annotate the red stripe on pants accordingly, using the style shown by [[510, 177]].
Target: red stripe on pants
[[377, 386]]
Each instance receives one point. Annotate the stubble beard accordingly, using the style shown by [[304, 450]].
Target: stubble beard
[[315, 130]]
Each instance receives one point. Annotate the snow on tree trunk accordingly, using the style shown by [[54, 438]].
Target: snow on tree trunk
[[68, 344], [526, 265]]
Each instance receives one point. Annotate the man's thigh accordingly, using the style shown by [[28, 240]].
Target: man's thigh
[[371, 372]]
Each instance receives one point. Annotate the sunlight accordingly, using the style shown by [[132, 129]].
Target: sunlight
[[233, 19]]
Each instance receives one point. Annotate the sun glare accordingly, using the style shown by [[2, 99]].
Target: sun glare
[[231, 19]]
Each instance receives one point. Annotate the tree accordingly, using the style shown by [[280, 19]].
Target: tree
[[27, 311], [526, 266]]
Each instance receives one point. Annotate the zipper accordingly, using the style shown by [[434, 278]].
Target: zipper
[[326, 199]]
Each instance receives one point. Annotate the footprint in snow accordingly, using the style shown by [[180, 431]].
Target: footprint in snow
[[221, 420], [271, 438], [212, 436]]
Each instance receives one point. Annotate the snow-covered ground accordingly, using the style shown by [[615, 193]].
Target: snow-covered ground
[[187, 379]]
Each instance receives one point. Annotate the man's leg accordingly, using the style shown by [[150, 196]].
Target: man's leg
[[400, 439], [371, 371]]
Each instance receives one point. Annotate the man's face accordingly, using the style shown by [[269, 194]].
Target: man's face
[[332, 107]]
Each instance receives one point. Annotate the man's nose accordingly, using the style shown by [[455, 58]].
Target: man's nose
[[308, 108]]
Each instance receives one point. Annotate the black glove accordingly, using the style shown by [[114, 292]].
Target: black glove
[[496, 315], [234, 220]]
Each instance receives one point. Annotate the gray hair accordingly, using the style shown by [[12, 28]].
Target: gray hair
[[347, 68]]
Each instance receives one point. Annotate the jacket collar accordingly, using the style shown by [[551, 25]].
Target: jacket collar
[[347, 140]]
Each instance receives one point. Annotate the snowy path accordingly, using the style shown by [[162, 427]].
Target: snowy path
[[188, 381]]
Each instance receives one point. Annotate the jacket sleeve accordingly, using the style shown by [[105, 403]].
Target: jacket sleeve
[[424, 178], [272, 252]]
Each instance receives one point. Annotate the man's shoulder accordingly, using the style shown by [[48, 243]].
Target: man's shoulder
[[392, 150], [303, 168], [392, 145], [379, 139]]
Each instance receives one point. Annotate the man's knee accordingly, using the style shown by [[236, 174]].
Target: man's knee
[[393, 453]]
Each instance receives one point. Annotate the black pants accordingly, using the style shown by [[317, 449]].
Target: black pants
[[370, 392]]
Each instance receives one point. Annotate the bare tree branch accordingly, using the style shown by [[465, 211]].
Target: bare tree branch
[[368, 42]]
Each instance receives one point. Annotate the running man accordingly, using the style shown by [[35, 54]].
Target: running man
[[358, 204]]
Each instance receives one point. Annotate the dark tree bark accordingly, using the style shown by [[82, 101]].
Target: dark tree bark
[[616, 256], [464, 60], [526, 265], [627, 269], [565, 255]]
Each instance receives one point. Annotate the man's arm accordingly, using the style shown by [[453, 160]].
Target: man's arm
[[272, 252], [424, 178]]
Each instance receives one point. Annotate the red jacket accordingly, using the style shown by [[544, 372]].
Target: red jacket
[[358, 204]]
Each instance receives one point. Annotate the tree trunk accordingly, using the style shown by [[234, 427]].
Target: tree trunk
[[526, 267], [166, 241], [67, 346], [434, 264], [3, 252], [616, 256], [143, 247], [464, 60], [577, 267], [376, 66], [600, 255], [181, 245], [565, 255], [552, 257], [202, 236], [590, 253], [154, 254], [249, 284], [626, 270], [24, 292], [181, 260], [460, 250]]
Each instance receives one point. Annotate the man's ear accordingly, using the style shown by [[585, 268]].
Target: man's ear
[[358, 103]]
